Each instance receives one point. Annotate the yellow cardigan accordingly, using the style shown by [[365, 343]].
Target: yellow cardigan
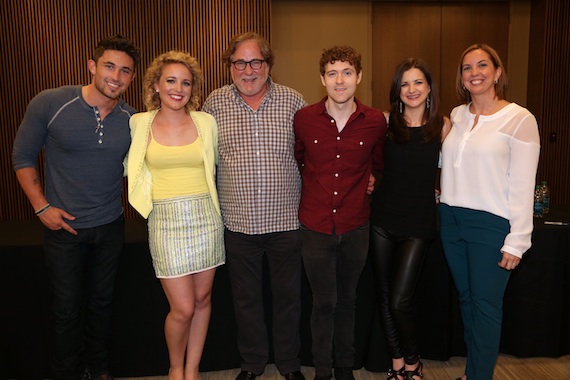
[[138, 173]]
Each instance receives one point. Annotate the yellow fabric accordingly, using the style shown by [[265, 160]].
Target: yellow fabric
[[176, 170], [140, 182]]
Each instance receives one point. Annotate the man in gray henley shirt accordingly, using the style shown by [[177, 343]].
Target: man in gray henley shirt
[[84, 131]]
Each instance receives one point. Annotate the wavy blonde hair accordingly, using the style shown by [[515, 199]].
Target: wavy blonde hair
[[153, 73]]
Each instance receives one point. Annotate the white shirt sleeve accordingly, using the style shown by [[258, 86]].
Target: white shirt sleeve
[[525, 151]]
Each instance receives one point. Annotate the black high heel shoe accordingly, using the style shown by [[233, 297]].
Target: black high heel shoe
[[409, 375], [393, 375]]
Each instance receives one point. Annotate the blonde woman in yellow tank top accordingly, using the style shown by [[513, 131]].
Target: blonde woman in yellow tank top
[[171, 171]]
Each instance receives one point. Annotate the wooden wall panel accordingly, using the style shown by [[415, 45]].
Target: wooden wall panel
[[437, 32], [396, 33], [462, 26], [549, 80], [402, 30], [46, 44]]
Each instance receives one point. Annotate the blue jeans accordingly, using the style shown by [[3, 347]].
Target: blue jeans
[[472, 242], [333, 264], [82, 271], [244, 260]]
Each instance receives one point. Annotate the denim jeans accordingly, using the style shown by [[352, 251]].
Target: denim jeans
[[333, 264], [82, 269]]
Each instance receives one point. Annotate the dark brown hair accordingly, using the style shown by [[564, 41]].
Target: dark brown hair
[[432, 119], [118, 43], [343, 54]]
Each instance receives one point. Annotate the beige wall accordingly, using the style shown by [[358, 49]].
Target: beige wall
[[300, 29]]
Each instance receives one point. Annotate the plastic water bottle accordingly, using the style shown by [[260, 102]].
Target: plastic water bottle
[[538, 206], [545, 197]]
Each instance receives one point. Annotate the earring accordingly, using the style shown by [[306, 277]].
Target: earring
[[156, 91], [428, 101], [400, 103], [496, 81]]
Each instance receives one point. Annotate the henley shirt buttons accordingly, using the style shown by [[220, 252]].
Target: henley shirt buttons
[[336, 174], [335, 193], [338, 156], [332, 121], [338, 139], [315, 141], [362, 143], [334, 210]]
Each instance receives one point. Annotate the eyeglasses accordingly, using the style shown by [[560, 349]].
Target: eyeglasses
[[255, 64]]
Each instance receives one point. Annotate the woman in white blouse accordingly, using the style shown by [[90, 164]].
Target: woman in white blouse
[[489, 162]]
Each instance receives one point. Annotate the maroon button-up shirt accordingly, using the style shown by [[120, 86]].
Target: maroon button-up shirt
[[337, 166]]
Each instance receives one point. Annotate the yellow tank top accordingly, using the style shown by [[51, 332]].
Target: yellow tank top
[[176, 170]]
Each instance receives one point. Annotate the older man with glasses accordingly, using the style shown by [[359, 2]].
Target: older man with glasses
[[259, 188]]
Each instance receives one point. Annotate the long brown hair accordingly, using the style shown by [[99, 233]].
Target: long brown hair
[[432, 119]]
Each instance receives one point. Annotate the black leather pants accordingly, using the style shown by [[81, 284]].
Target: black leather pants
[[397, 262]]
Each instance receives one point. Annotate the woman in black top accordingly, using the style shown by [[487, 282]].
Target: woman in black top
[[403, 213]]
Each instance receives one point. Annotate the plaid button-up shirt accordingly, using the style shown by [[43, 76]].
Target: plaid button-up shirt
[[258, 178]]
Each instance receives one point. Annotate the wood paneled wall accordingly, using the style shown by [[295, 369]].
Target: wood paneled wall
[[548, 100], [46, 44], [437, 32]]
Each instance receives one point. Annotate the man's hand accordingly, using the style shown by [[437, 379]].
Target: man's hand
[[371, 182], [54, 219]]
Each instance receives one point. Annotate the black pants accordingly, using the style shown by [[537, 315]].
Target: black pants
[[333, 264], [82, 269], [397, 262], [244, 258]]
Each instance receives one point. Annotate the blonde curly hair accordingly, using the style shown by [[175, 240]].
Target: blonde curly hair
[[153, 73]]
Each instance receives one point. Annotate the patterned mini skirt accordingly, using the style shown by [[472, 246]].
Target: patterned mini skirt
[[186, 235]]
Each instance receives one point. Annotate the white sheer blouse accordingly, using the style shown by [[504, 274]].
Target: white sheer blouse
[[492, 168]]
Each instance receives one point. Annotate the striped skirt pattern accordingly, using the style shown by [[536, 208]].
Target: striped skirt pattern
[[186, 235]]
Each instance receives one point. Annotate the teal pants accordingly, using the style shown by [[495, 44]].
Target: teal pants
[[472, 242]]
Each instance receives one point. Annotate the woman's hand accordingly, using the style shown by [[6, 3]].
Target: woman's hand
[[509, 262]]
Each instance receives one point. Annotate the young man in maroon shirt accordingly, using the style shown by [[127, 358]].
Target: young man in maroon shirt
[[338, 142]]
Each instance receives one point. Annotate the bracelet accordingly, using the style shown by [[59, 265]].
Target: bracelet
[[43, 209]]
